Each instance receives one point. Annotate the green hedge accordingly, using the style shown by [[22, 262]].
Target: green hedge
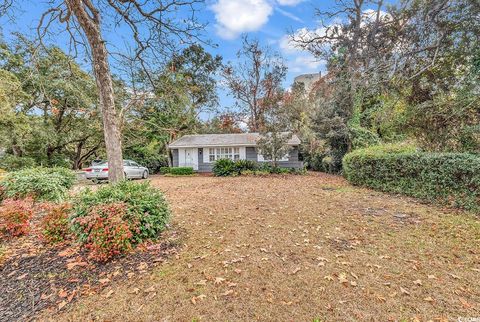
[[43, 184], [449, 178], [230, 168], [177, 171]]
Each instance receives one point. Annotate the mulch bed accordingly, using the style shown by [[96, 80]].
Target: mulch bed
[[36, 277]]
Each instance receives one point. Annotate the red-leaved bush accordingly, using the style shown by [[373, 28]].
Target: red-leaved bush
[[106, 233], [15, 216], [55, 227]]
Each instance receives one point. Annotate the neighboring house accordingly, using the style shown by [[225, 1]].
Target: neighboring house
[[202, 150], [308, 81]]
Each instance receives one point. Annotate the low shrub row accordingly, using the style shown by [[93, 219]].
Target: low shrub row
[[227, 167], [177, 171], [42, 184], [449, 178]]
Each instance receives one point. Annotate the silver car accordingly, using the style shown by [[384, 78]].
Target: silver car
[[131, 169]]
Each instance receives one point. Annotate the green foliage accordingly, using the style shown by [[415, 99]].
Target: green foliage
[[244, 165], [362, 137], [227, 167], [11, 162], [224, 168], [447, 122], [58, 123], [55, 224], [449, 178], [147, 210], [42, 184], [177, 171]]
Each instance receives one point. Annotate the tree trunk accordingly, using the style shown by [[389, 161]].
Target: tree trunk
[[89, 20]]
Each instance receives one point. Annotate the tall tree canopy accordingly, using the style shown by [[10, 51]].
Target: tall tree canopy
[[396, 72], [155, 26], [255, 81]]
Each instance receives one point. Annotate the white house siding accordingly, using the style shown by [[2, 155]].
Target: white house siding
[[181, 158]]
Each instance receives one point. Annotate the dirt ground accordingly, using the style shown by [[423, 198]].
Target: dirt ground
[[300, 248]]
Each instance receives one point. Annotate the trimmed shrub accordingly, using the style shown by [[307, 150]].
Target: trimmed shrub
[[227, 167], [298, 171], [55, 225], [42, 184], [177, 171], [449, 178], [244, 165], [147, 212], [106, 231], [14, 217], [224, 168]]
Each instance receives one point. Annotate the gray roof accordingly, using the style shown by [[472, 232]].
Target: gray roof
[[237, 139]]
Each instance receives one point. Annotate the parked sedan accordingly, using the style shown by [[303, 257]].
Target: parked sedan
[[131, 169]]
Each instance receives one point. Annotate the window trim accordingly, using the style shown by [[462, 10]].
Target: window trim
[[223, 152]]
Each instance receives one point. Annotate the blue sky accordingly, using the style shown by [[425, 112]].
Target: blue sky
[[268, 20]]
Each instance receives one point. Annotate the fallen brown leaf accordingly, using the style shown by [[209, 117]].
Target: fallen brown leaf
[[418, 282], [227, 293], [61, 305], [218, 280], [62, 293], [404, 291], [150, 289], [104, 280]]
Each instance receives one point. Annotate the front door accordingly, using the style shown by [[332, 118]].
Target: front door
[[190, 160]]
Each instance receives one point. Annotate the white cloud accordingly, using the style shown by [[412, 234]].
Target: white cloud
[[305, 63], [298, 60], [235, 17], [289, 15], [287, 45], [289, 2]]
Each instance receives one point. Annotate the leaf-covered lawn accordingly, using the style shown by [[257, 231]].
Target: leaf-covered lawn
[[301, 248]]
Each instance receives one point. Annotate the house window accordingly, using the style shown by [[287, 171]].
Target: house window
[[236, 154], [215, 154], [212, 154]]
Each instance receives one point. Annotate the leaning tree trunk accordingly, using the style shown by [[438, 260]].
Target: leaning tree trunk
[[89, 20]]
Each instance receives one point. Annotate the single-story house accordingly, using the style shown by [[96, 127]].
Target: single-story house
[[200, 151]]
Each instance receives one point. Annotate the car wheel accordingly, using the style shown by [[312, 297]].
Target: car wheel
[[145, 174], [125, 174]]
